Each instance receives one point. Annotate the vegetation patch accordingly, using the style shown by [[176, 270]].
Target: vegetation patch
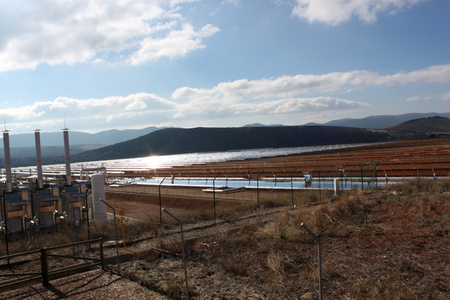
[[386, 244]]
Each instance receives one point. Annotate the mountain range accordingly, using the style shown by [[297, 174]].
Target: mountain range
[[383, 121], [114, 136], [178, 140], [103, 138], [115, 144]]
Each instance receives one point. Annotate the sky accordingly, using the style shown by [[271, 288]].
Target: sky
[[95, 65]]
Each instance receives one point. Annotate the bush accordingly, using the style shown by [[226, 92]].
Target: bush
[[421, 185]]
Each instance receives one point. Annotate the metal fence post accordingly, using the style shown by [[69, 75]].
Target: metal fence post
[[5, 222], [88, 186], [115, 229], [292, 187], [214, 195], [362, 174], [102, 256], [159, 193], [320, 186], [44, 266], [182, 249], [257, 186], [319, 250]]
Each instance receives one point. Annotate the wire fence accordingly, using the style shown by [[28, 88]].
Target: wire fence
[[252, 190]]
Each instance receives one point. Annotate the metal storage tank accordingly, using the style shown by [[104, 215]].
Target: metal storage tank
[[98, 194], [54, 189], [24, 193], [337, 186], [82, 186]]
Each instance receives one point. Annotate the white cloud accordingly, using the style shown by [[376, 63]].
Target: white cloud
[[68, 32], [235, 2], [418, 98], [87, 113], [298, 106], [290, 86], [442, 97], [334, 12], [176, 43], [436, 74], [284, 98], [445, 97], [302, 105], [147, 109], [219, 103]]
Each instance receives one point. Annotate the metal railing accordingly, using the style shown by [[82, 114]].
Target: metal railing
[[46, 274]]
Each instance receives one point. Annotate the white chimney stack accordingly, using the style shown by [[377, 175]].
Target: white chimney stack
[[37, 138], [7, 161], [67, 157]]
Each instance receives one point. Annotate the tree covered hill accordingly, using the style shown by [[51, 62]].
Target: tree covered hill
[[177, 140], [421, 128]]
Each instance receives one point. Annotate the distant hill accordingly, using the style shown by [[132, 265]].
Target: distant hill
[[374, 122], [23, 151], [176, 140], [26, 156], [262, 125], [100, 139], [421, 128]]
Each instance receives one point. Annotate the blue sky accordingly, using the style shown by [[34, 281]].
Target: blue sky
[[98, 64]]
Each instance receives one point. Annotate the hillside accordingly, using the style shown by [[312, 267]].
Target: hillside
[[26, 156], [383, 121], [175, 140], [421, 128], [110, 137], [55, 139]]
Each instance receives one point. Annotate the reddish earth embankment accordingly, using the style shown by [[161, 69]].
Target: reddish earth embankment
[[397, 159], [417, 158], [146, 207]]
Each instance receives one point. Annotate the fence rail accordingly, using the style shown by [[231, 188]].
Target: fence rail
[[45, 274]]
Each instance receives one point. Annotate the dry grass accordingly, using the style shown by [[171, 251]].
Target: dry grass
[[386, 244], [227, 213], [390, 244], [37, 239], [65, 234], [420, 185]]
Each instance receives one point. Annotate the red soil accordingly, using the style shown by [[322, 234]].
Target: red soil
[[396, 159]]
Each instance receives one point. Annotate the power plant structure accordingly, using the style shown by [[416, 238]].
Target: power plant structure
[[42, 202], [16, 206]]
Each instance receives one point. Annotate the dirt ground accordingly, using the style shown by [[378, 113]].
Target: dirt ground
[[145, 205], [387, 244], [97, 284], [381, 245], [397, 159]]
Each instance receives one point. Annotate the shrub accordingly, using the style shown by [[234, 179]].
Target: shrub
[[422, 185]]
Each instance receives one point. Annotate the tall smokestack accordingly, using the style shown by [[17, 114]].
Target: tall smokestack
[[67, 156], [7, 161], [37, 138]]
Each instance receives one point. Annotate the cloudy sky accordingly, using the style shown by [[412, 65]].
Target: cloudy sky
[[95, 65]]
